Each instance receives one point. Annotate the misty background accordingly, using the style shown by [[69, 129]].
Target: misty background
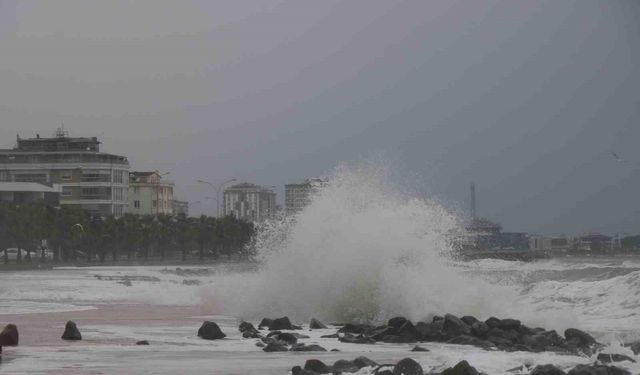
[[527, 99]]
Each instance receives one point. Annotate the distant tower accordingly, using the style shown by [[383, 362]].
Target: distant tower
[[473, 200]]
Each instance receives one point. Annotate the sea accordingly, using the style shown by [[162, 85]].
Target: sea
[[364, 250]]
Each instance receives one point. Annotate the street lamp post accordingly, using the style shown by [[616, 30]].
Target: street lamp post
[[217, 190]]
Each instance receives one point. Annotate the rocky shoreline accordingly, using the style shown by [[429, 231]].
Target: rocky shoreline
[[493, 334]]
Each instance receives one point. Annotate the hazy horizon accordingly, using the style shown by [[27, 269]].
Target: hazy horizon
[[529, 100]]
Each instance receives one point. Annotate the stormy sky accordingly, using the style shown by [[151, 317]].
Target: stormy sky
[[527, 99]]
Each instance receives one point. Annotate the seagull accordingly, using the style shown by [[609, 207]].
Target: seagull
[[617, 157]]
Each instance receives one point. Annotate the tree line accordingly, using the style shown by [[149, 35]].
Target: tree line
[[72, 234]]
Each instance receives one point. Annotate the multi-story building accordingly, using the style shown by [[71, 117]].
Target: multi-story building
[[298, 196], [180, 207], [249, 202], [93, 180], [149, 194], [28, 192]]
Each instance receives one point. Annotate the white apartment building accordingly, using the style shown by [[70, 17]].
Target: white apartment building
[[249, 202], [93, 180], [298, 196], [150, 194]]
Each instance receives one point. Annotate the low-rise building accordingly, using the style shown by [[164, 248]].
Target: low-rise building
[[90, 179], [249, 202], [150, 194], [593, 242]]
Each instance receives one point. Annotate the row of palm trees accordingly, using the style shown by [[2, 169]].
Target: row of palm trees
[[72, 234]]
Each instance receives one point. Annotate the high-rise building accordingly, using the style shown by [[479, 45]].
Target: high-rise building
[[249, 202], [149, 194], [298, 196], [90, 179]]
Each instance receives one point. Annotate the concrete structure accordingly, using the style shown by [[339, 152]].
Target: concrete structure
[[28, 192], [93, 180], [249, 202], [593, 242], [298, 196], [180, 207], [557, 243], [149, 194]]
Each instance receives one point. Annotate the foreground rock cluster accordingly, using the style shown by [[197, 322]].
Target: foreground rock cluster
[[503, 334]]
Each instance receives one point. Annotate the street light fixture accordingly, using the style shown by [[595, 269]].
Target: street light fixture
[[217, 190]]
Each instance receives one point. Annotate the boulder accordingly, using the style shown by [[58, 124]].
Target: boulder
[[9, 336], [352, 339], [246, 326], [453, 326], [470, 340], [461, 368], [363, 361], [407, 366], [479, 329], [286, 337], [356, 328], [210, 331], [316, 324], [71, 332], [397, 322], [509, 324], [469, 320], [419, 349], [608, 358], [342, 365], [317, 366], [597, 370], [281, 323], [580, 338], [307, 348], [275, 347], [142, 342], [428, 331], [265, 322], [297, 370], [546, 370], [331, 336]]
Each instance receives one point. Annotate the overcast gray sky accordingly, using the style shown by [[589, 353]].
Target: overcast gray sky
[[527, 99]]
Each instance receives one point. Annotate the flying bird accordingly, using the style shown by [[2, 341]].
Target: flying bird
[[617, 157]]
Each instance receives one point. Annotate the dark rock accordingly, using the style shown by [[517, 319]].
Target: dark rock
[[316, 324], [407, 366], [419, 349], [397, 322], [334, 350], [428, 331], [251, 334], [246, 326], [360, 339], [407, 331], [469, 320], [281, 323], [363, 361], [265, 322], [210, 331], [461, 368], [9, 335], [546, 370], [299, 335], [509, 324], [480, 329], [297, 370], [317, 366], [492, 322], [260, 344], [597, 370], [580, 338], [342, 365], [608, 358], [470, 340], [142, 342], [332, 336], [635, 347], [307, 348], [286, 337], [275, 347], [453, 326], [71, 332]]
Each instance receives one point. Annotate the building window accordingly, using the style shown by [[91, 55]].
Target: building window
[[66, 191], [65, 176], [136, 204], [155, 203]]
